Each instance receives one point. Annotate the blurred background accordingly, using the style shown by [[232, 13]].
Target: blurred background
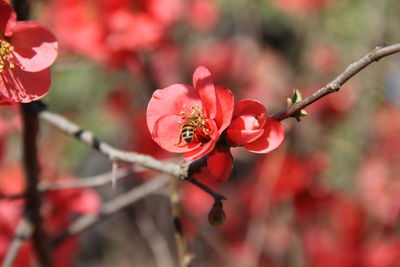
[[329, 196]]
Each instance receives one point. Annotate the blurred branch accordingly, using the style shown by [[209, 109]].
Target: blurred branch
[[71, 129], [179, 171], [86, 221], [156, 241], [93, 181], [33, 200], [22, 233], [12, 197], [184, 257], [335, 85]]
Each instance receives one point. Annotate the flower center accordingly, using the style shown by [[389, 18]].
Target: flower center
[[6, 55]]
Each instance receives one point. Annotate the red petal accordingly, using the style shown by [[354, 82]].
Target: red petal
[[220, 163], [35, 46], [204, 85], [225, 106], [171, 101], [244, 130], [8, 18], [207, 147], [166, 133], [6, 101], [271, 139], [243, 137], [251, 107], [22, 86]]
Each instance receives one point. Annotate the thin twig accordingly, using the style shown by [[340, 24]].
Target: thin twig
[[215, 195], [12, 197], [85, 221], [156, 241], [93, 181], [183, 257], [336, 84], [22, 233]]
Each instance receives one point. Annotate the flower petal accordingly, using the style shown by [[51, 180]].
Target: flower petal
[[220, 163], [271, 139], [251, 107], [167, 131], [244, 130], [204, 85], [171, 101], [207, 147], [22, 86], [8, 18], [243, 137], [35, 46], [225, 104]]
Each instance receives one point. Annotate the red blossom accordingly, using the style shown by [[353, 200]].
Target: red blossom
[[206, 108], [252, 128], [303, 7], [27, 49]]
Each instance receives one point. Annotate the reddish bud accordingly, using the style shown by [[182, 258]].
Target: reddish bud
[[216, 216]]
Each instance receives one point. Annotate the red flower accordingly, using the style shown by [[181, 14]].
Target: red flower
[[27, 49], [190, 120], [252, 128]]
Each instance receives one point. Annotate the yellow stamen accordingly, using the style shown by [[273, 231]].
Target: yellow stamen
[[6, 55]]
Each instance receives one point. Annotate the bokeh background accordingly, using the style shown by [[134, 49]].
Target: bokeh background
[[329, 196]]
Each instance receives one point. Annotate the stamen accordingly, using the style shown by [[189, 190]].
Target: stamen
[[6, 55]]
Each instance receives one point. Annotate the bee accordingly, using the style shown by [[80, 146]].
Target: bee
[[188, 131], [191, 125]]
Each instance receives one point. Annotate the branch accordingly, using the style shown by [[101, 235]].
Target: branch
[[33, 199], [23, 232], [334, 86], [85, 221], [93, 181], [183, 256], [71, 129], [179, 171]]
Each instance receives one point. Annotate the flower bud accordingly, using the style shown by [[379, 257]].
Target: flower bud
[[216, 216]]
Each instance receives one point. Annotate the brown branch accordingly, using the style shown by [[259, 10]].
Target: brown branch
[[85, 221], [183, 257], [33, 200], [215, 195], [71, 129], [12, 197], [182, 171], [336, 84]]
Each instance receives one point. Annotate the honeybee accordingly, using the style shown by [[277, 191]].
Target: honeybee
[[191, 125], [188, 131]]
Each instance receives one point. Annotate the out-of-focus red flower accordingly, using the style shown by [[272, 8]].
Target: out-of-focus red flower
[[204, 110], [103, 30], [331, 226], [379, 186], [200, 9], [252, 128], [382, 253], [27, 49], [323, 58], [59, 208], [302, 7]]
